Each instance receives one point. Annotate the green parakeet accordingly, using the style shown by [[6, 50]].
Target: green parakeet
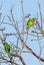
[[7, 49], [31, 22]]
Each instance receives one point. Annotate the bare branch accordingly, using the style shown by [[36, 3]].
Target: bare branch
[[40, 13]]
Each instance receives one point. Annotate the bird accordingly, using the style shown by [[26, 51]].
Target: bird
[[31, 22], [7, 48]]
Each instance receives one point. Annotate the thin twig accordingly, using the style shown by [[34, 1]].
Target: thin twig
[[40, 13]]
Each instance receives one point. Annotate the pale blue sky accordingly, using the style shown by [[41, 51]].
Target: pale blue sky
[[30, 6]]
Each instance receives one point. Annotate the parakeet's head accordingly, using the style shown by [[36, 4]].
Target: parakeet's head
[[34, 19]]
